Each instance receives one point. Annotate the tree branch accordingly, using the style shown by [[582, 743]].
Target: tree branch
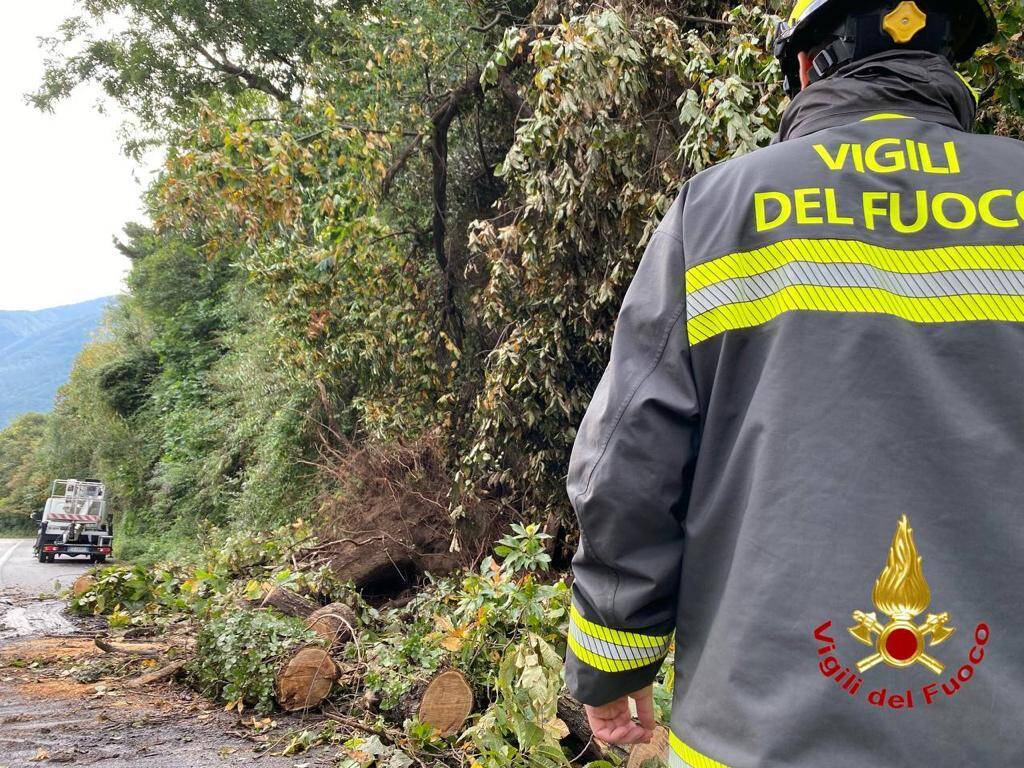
[[469, 87], [442, 120], [225, 65], [705, 20], [489, 26]]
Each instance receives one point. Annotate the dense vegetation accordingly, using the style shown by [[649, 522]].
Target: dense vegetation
[[393, 225], [390, 221]]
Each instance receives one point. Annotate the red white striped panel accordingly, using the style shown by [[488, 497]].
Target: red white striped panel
[[61, 517]]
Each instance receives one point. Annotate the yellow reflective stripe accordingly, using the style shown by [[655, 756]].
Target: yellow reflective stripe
[[974, 91], [617, 636], [690, 756], [853, 252], [885, 116], [935, 309], [799, 9], [608, 665]]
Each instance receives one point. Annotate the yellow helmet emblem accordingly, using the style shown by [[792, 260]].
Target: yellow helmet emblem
[[905, 21]]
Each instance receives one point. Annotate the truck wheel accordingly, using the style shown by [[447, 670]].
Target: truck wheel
[[101, 558], [42, 556]]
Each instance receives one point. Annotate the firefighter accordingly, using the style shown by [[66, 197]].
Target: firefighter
[[803, 470]]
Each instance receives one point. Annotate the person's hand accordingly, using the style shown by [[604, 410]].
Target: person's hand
[[613, 723]]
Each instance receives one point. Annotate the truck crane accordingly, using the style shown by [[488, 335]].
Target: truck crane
[[75, 522]]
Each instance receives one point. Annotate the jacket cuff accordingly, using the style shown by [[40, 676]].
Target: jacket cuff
[[604, 664]]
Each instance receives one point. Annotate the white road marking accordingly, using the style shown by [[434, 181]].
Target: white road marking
[[5, 558]]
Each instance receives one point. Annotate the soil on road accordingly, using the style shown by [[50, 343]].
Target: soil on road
[[64, 701], [47, 718]]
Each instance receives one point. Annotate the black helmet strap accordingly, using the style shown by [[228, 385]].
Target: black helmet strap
[[830, 58]]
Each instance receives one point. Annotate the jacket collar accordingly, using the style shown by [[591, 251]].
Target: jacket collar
[[912, 83]]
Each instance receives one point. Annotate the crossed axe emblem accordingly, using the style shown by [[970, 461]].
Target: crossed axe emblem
[[900, 643]]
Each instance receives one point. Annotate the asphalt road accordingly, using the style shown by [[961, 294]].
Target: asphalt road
[[19, 569]]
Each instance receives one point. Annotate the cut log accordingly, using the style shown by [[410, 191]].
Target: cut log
[[653, 755], [447, 703], [286, 601], [335, 623], [305, 679], [157, 675], [82, 585]]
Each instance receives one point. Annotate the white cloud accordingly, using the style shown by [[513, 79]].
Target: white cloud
[[66, 188]]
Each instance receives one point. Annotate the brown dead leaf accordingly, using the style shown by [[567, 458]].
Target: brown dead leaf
[[558, 729]]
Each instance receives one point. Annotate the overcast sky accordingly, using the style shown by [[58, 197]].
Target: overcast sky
[[67, 188]]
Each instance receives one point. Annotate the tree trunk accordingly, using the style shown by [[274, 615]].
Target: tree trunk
[[287, 602], [335, 623]]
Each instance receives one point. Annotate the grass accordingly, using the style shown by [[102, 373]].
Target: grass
[[13, 527]]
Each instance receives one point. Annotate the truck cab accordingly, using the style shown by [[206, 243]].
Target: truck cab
[[75, 522]]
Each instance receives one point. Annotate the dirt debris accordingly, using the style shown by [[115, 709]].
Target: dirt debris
[[390, 523], [84, 732], [50, 717], [47, 650]]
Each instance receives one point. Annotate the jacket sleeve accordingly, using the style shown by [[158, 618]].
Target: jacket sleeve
[[629, 481]]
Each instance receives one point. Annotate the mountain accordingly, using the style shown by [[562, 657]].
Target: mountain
[[37, 350]]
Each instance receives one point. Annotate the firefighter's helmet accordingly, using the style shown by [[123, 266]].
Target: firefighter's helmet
[[840, 31]]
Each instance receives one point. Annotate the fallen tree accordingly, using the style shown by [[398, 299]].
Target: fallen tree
[[335, 623], [286, 601]]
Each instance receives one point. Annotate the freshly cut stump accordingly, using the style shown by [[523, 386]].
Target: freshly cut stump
[[334, 623], [305, 679], [656, 750], [447, 703], [82, 585]]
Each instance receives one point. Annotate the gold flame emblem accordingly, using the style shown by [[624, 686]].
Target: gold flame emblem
[[901, 593]]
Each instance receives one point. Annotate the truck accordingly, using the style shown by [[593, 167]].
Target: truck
[[75, 522]]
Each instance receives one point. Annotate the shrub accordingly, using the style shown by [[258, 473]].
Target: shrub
[[237, 656], [117, 587]]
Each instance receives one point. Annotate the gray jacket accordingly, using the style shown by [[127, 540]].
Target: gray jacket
[[805, 461]]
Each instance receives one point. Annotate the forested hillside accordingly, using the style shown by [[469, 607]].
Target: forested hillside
[[377, 292], [37, 350]]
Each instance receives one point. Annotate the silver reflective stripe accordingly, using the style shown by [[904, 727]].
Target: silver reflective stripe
[[615, 651], [956, 282], [675, 761]]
